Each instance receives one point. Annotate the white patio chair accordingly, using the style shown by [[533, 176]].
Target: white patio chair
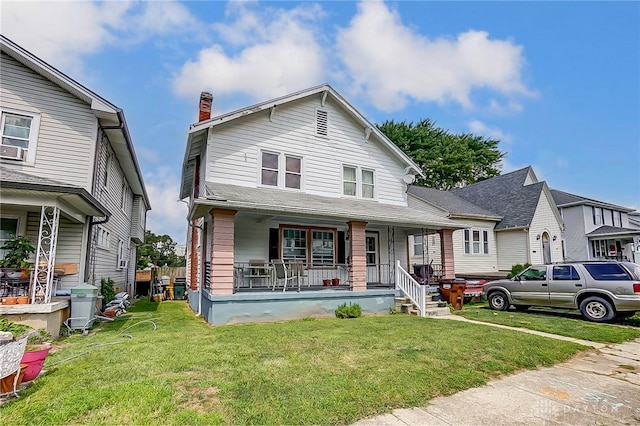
[[10, 356], [283, 274]]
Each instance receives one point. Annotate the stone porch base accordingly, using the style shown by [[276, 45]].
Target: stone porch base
[[49, 316]]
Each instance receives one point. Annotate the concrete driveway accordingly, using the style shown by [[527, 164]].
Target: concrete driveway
[[596, 387]]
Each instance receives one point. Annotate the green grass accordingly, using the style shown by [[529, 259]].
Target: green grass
[[327, 371], [562, 322]]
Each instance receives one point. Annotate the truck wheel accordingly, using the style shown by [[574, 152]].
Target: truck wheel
[[597, 309], [498, 301]]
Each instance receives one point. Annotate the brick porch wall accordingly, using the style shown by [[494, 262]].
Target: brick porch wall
[[446, 248], [222, 246], [358, 271]]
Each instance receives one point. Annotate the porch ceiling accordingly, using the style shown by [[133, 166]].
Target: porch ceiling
[[276, 202]]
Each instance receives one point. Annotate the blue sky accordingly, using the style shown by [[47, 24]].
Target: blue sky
[[558, 83]]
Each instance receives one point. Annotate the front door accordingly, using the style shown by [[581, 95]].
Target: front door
[[546, 249], [372, 254]]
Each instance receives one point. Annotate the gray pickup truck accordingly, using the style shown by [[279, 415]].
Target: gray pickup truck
[[601, 290]]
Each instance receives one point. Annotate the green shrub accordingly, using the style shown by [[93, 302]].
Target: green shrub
[[517, 268], [107, 291], [351, 311]]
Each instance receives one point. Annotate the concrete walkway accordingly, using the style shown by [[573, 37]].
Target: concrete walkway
[[598, 387]]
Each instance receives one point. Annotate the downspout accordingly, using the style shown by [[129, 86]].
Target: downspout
[[526, 230]]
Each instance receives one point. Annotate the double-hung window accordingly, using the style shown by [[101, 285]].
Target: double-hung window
[[617, 218], [476, 241], [597, 215], [418, 245], [126, 197], [357, 182], [271, 165], [294, 245], [312, 246], [122, 259], [322, 252], [19, 135]]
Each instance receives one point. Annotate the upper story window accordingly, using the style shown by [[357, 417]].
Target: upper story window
[[322, 118], [597, 215], [363, 187], [476, 241], [271, 165], [126, 198], [19, 135], [616, 218], [103, 239], [106, 167]]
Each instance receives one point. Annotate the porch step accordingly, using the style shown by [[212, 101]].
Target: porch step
[[437, 312], [406, 308]]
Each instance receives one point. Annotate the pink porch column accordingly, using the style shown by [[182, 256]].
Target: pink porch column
[[446, 248], [358, 271], [222, 245], [193, 257]]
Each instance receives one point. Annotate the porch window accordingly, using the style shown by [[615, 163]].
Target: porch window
[[476, 241], [269, 169], [294, 244], [19, 135], [8, 230], [599, 248], [597, 215], [418, 245], [322, 252], [293, 172], [349, 181], [367, 183]]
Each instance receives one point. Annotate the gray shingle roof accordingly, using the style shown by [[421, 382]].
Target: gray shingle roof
[[292, 203], [613, 230], [449, 201], [8, 176], [562, 198], [506, 195]]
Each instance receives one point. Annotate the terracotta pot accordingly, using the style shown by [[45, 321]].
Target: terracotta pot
[[10, 300], [35, 360], [335, 281], [6, 383], [326, 283], [22, 300]]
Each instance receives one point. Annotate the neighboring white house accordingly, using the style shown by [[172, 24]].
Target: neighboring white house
[[597, 230], [304, 179], [509, 219], [70, 179]]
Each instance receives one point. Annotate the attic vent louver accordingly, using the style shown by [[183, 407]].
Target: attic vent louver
[[321, 122]]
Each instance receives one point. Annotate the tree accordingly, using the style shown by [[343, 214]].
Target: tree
[[159, 250], [447, 160]]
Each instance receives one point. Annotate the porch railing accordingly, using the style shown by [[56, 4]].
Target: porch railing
[[411, 288]]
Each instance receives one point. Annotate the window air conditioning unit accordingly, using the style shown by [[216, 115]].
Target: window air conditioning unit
[[11, 152]]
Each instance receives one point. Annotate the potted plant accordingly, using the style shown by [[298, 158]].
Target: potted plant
[[38, 348], [335, 281], [18, 250]]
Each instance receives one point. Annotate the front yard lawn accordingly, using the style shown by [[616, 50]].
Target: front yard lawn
[[562, 322], [326, 371]]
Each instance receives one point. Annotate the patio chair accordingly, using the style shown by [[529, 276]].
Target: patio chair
[[260, 270], [283, 274], [297, 268], [10, 356]]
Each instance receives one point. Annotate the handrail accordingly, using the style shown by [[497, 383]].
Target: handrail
[[410, 287]]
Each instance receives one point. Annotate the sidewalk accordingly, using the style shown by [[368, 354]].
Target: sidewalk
[[595, 387]]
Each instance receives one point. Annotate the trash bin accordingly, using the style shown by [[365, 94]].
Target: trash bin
[[179, 290], [83, 305], [453, 292]]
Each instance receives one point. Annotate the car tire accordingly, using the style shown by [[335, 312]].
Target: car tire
[[498, 301], [597, 309], [521, 308]]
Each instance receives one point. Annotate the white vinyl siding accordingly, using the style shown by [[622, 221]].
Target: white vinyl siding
[[512, 249], [476, 241], [67, 129], [478, 262], [544, 220], [234, 150]]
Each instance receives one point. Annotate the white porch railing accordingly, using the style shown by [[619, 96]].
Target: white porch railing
[[410, 287]]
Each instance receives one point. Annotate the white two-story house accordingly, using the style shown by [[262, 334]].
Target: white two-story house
[[70, 183], [303, 181]]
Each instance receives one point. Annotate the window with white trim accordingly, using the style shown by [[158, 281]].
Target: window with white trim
[[357, 182], [103, 239], [19, 132], [597, 215], [476, 241], [122, 259], [322, 252], [126, 198], [599, 248], [617, 218], [418, 245], [105, 172], [273, 162], [8, 230], [312, 246], [294, 245]]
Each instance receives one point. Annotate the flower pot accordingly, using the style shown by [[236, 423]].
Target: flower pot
[[335, 281], [6, 383], [10, 300], [22, 300], [13, 273], [326, 283], [35, 360]]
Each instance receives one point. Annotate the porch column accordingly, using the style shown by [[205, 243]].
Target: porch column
[[222, 246], [358, 270], [193, 257], [446, 250]]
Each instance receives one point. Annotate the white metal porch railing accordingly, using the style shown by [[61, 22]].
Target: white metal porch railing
[[410, 287]]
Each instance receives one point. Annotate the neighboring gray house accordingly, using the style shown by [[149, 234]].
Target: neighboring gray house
[[70, 183], [598, 230], [511, 219]]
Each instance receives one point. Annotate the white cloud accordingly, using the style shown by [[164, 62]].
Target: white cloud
[[477, 127], [393, 64], [275, 53], [62, 32], [168, 215]]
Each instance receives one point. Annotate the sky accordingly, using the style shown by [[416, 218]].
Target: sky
[[558, 83]]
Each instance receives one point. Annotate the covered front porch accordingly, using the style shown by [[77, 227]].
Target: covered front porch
[[614, 243]]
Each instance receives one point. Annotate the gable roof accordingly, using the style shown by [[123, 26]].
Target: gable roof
[[565, 199], [112, 120], [453, 204], [198, 131], [508, 196]]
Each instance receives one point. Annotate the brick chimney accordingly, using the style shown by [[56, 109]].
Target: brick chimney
[[206, 99]]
